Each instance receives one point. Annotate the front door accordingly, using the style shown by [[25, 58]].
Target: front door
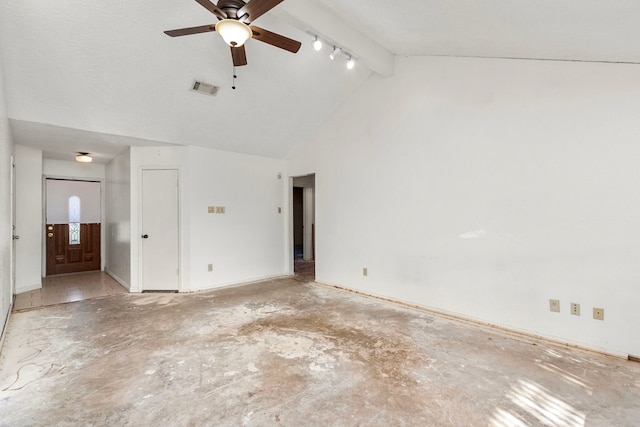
[[159, 239], [72, 248]]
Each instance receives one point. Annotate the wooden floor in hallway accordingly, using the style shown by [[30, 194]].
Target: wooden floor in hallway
[[284, 352]]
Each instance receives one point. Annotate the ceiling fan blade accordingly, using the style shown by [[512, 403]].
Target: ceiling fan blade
[[257, 8], [213, 9], [275, 39], [191, 30], [239, 56]]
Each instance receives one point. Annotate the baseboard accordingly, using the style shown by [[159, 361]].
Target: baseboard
[[29, 288], [5, 327], [118, 279], [516, 333], [240, 283]]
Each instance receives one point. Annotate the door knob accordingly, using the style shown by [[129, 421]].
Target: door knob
[[50, 234], [145, 236]]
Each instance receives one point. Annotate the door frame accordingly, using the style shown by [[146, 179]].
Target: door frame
[[135, 234], [103, 210]]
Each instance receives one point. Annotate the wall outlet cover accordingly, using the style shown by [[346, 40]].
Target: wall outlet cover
[[575, 309], [554, 305], [598, 313]]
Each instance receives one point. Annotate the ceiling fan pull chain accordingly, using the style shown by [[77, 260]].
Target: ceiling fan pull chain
[[233, 85]]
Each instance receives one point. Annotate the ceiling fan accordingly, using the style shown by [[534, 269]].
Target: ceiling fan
[[234, 19]]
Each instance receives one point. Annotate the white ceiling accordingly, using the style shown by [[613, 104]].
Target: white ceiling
[[98, 76], [588, 30]]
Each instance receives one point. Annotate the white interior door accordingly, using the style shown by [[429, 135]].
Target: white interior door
[[159, 230]]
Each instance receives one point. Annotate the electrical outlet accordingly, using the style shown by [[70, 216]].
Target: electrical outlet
[[575, 309], [598, 313], [209, 267], [554, 305], [365, 271], [211, 209]]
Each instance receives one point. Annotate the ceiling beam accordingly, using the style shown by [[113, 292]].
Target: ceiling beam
[[312, 17]]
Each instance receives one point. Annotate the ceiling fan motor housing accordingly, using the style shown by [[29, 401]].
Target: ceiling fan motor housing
[[231, 7]]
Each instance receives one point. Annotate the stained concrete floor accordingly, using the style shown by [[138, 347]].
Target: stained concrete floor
[[283, 352]]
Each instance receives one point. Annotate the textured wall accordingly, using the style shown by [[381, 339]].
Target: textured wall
[[485, 187], [118, 218], [245, 243]]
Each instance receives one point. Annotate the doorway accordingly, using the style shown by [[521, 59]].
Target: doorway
[[73, 226], [303, 227], [159, 226]]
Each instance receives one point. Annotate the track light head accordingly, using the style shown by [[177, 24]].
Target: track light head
[[317, 44], [350, 63], [335, 53]]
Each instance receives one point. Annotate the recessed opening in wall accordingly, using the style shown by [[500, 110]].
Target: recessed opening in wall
[[303, 227], [73, 222]]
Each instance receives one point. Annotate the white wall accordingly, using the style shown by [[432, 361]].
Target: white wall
[[484, 187], [73, 170], [118, 218], [59, 191], [6, 150], [29, 212], [245, 243]]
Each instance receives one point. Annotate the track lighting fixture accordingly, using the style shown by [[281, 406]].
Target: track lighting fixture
[[350, 63], [335, 53], [317, 44]]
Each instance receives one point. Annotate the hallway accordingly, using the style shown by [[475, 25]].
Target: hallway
[[282, 352]]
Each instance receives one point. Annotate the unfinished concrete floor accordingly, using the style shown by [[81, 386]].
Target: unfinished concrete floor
[[283, 352]]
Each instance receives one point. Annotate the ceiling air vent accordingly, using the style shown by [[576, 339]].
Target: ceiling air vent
[[205, 88]]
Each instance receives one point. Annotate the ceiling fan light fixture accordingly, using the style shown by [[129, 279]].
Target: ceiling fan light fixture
[[335, 53], [84, 158], [317, 44], [233, 32]]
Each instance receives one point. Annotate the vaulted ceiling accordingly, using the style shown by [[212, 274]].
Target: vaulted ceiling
[[98, 76]]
